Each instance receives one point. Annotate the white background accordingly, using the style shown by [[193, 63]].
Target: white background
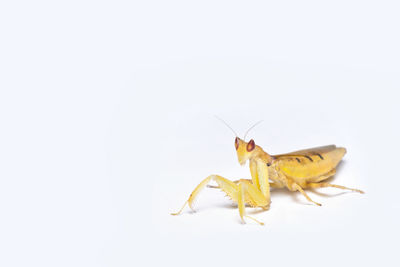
[[106, 116]]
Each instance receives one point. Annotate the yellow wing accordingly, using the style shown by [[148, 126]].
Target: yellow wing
[[312, 162], [308, 152]]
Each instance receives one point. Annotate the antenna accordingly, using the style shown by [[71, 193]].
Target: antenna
[[254, 125], [226, 125]]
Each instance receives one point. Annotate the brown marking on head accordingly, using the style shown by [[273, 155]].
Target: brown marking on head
[[236, 143], [250, 145], [319, 155]]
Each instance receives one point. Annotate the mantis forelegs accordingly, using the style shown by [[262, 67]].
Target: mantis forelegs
[[248, 193], [242, 192], [198, 188], [271, 184]]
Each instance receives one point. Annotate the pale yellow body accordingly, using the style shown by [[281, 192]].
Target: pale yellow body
[[296, 171]]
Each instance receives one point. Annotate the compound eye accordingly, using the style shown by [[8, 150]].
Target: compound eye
[[251, 145], [237, 143]]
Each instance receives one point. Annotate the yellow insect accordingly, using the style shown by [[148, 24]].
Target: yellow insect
[[296, 171]]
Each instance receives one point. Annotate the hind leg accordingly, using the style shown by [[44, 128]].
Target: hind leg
[[298, 188], [293, 186], [322, 184]]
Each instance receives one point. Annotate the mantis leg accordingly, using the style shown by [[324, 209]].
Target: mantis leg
[[227, 186], [263, 178], [292, 186], [319, 185], [248, 193], [242, 193], [275, 185], [298, 188], [271, 184], [236, 182]]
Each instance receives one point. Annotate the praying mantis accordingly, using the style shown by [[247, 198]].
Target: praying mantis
[[296, 171]]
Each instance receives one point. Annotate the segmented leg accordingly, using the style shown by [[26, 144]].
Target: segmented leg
[[272, 184], [236, 182], [227, 186], [293, 186], [276, 185], [319, 185], [298, 188], [253, 196], [243, 192]]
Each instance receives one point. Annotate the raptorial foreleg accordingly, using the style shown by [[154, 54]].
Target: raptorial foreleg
[[226, 185], [241, 192]]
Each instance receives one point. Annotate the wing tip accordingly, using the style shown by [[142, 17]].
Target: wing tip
[[343, 150]]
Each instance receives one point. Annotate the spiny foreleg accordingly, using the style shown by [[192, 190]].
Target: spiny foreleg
[[241, 192]]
